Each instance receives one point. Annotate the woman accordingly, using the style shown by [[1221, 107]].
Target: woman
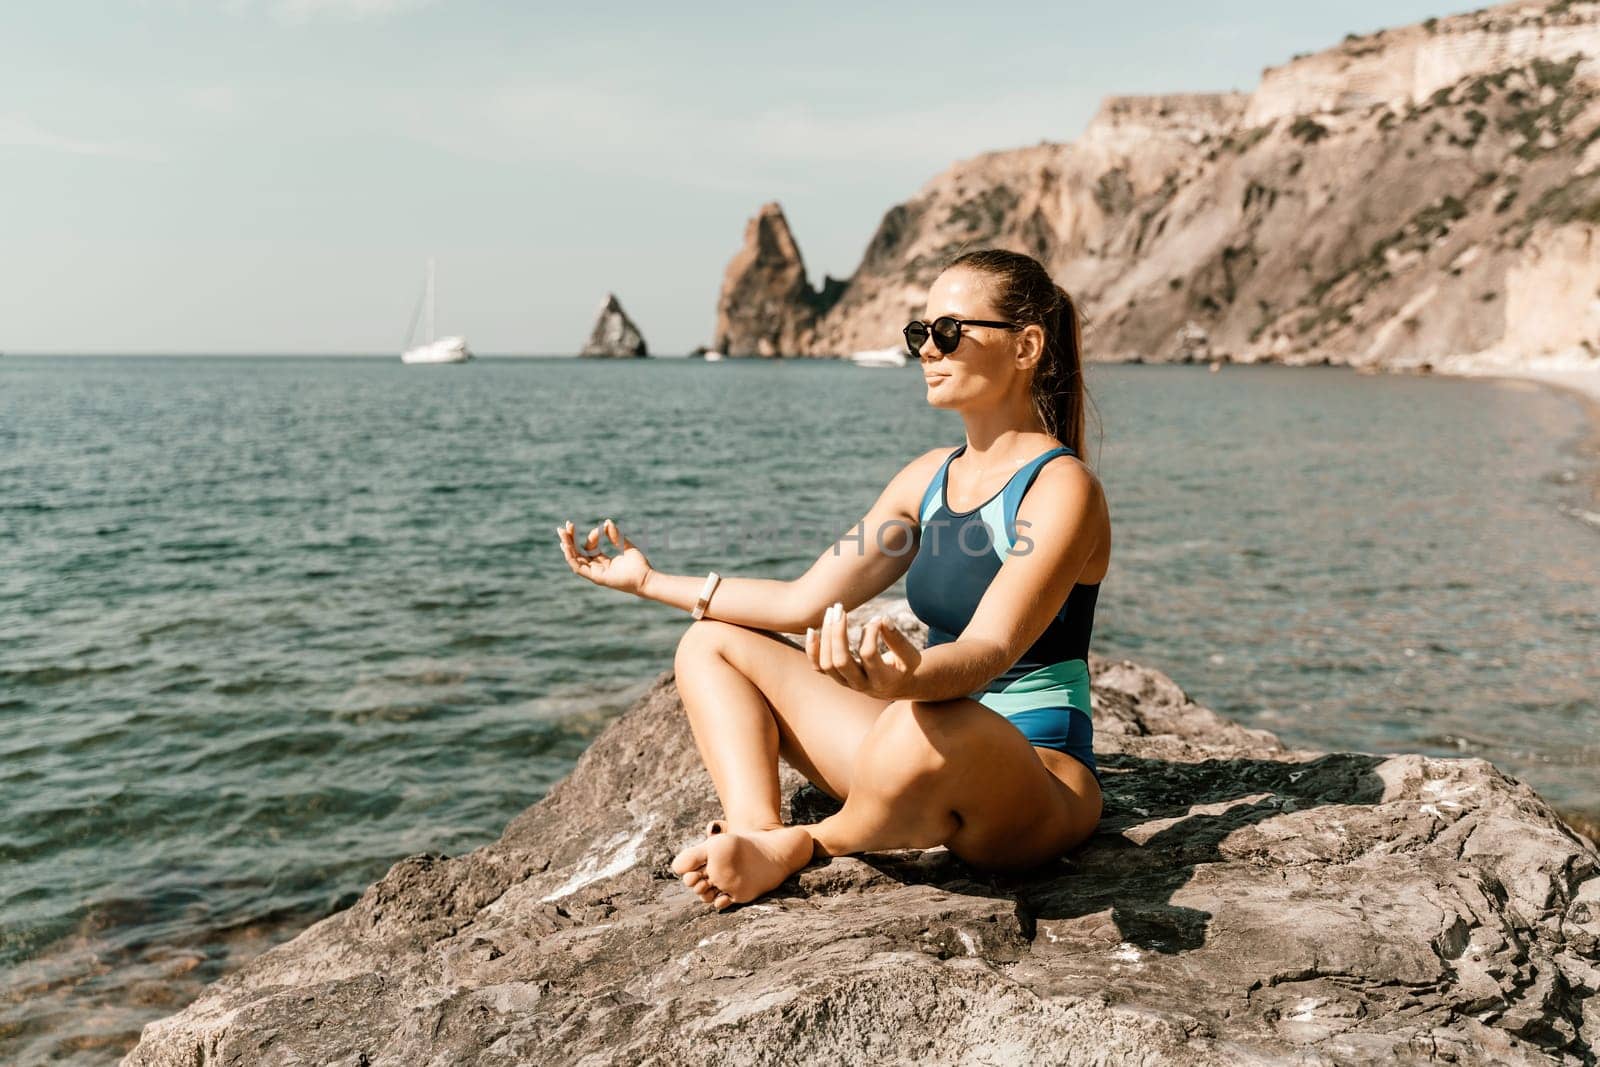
[[981, 741]]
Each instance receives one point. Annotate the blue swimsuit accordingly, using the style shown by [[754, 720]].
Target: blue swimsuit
[[1045, 694]]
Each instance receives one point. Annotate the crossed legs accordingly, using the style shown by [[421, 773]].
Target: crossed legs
[[910, 774]]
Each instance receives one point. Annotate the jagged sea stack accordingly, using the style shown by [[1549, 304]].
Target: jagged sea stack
[[614, 335], [767, 307]]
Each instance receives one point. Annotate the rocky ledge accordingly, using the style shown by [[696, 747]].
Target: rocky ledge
[[1241, 902]]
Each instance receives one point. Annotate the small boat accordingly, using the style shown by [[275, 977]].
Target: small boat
[[712, 355], [434, 349], [880, 357]]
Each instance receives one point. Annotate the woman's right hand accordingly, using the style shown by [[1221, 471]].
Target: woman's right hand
[[626, 571]]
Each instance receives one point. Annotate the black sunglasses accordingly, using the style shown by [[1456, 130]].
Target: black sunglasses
[[946, 332]]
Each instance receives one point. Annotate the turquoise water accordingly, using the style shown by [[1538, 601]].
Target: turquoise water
[[267, 625]]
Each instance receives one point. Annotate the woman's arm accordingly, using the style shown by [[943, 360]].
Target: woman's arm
[[863, 563], [1061, 524]]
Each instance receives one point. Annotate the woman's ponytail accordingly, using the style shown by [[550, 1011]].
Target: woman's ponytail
[[1064, 404]]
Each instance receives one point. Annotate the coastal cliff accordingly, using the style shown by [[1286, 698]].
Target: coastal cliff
[[1240, 901], [1390, 202]]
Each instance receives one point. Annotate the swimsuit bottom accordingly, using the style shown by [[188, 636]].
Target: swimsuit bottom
[[1051, 708]]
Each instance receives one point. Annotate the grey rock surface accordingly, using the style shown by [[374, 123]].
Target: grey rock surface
[[614, 335], [1240, 903]]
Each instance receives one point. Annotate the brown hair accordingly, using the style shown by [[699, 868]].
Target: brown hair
[[1024, 293]]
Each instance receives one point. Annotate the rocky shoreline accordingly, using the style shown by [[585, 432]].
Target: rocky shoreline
[[1240, 902]]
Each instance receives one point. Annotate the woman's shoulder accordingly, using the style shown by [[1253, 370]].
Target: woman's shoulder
[[1068, 471], [1062, 479], [1065, 486]]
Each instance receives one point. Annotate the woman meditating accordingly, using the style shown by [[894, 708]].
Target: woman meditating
[[980, 742]]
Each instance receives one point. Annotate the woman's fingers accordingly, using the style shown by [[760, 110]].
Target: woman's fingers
[[901, 647], [618, 538], [824, 643], [885, 669], [867, 650], [588, 561], [845, 666], [564, 536], [871, 661]]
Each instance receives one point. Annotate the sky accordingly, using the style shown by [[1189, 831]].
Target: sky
[[270, 176]]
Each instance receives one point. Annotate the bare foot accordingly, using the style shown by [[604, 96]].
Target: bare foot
[[736, 867]]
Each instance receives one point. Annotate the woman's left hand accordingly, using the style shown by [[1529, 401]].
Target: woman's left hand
[[886, 675]]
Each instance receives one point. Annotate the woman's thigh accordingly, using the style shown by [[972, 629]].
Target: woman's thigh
[[821, 722], [1015, 812]]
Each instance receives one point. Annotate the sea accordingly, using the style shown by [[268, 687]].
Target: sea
[[269, 624]]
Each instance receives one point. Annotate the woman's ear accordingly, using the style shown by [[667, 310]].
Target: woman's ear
[[1030, 346]]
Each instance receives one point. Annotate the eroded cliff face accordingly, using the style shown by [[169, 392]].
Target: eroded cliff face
[[1394, 201]]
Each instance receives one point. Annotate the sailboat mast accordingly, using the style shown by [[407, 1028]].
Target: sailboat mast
[[430, 300]]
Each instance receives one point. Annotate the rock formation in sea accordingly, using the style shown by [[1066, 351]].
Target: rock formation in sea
[[1240, 902], [767, 307], [614, 334], [1400, 199]]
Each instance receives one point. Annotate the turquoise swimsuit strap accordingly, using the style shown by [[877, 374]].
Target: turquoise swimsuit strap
[[999, 512]]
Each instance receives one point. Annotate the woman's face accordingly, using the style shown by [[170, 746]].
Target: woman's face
[[985, 363]]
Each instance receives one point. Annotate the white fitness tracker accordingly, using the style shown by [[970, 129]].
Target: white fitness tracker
[[705, 594]]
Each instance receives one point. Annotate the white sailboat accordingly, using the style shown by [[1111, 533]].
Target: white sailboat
[[434, 349]]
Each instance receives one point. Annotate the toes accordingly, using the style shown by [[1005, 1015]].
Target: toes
[[722, 901], [694, 878], [708, 892], [689, 859]]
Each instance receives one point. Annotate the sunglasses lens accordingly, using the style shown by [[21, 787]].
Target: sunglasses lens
[[946, 334], [916, 336]]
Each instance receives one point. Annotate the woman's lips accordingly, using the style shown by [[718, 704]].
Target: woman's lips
[[935, 379]]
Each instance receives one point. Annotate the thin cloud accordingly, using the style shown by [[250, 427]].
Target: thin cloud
[[218, 100], [18, 132], [298, 11], [612, 129]]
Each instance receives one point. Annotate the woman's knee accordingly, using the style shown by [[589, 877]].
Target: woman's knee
[[700, 638]]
